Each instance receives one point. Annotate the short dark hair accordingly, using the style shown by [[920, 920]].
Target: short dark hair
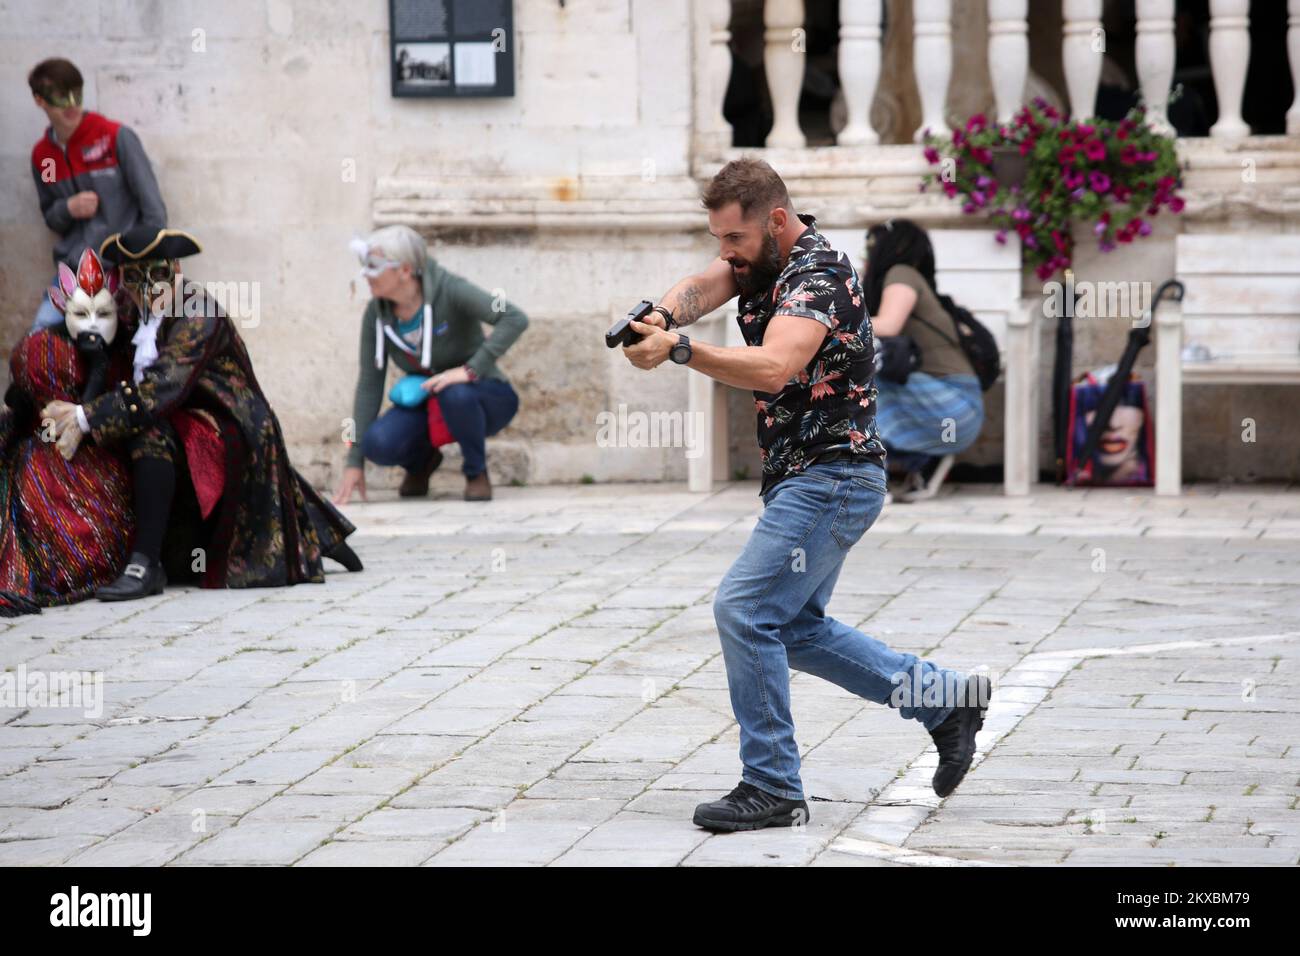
[[54, 77], [748, 181], [891, 243]]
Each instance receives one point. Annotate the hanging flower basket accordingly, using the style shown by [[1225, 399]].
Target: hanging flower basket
[[1009, 166], [1042, 173]]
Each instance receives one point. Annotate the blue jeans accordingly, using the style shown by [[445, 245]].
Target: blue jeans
[[473, 411], [771, 615], [46, 314]]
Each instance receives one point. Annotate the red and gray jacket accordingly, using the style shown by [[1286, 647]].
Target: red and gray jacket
[[107, 158]]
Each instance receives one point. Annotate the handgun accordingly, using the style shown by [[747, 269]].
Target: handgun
[[622, 333]]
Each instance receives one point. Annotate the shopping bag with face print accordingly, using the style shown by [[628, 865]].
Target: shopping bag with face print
[[1125, 453]]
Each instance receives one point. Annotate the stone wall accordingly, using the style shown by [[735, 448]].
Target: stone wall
[[276, 139], [269, 124]]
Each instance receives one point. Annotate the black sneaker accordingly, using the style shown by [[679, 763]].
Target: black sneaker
[[955, 737], [749, 808], [141, 578]]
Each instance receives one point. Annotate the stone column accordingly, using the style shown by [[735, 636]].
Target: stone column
[[1155, 58], [932, 61], [1082, 48], [783, 59], [859, 61], [1293, 53], [719, 73], [1008, 54], [1229, 57]]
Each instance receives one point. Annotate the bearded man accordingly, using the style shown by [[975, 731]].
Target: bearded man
[[808, 358]]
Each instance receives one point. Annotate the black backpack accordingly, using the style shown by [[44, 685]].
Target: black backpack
[[976, 341]]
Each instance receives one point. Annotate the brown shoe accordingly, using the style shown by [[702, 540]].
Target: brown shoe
[[416, 483], [478, 488]]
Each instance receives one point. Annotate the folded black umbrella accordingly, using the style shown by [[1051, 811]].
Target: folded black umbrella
[[1062, 382], [1110, 396]]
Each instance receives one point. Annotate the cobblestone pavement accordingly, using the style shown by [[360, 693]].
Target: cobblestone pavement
[[537, 680]]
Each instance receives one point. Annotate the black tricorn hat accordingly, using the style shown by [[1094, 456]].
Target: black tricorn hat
[[142, 242]]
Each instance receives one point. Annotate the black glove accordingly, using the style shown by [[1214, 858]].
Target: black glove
[[24, 409], [94, 352]]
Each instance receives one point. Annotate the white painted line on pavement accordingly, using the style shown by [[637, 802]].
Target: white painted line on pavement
[[907, 802]]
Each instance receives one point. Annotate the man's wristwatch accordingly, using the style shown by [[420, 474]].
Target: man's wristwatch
[[681, 352], [669, 321]]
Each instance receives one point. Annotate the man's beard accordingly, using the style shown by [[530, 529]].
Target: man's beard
[[763, 271]]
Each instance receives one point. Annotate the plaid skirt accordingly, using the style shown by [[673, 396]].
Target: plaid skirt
[[929, 416]]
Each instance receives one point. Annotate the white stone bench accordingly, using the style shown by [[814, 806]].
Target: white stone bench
[[977, 272], [1242, 302]]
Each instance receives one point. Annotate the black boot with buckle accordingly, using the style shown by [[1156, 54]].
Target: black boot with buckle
[[142, 578]]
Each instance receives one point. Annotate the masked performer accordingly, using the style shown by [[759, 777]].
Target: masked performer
[[65, 519], [216, 499]]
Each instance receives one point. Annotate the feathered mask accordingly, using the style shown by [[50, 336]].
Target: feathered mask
[[87, 298]]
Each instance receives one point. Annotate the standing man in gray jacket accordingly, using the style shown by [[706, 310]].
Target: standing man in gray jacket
[[93, 178]]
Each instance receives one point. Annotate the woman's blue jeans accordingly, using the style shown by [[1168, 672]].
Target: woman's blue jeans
[[771, 615], [930, 416], [473, 411]]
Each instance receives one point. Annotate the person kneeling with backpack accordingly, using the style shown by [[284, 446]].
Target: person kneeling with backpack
[[930, 371]]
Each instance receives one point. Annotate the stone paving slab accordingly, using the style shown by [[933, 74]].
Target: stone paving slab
[[536, 681]]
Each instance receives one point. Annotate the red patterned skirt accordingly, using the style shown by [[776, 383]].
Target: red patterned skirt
[[65, 526]]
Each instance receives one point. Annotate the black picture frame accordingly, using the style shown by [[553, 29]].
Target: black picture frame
[[430, 54]]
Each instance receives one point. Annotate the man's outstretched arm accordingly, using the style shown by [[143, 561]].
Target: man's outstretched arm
[[789, 344]]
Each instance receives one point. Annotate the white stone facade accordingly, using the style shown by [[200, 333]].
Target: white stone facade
[[275, 138]]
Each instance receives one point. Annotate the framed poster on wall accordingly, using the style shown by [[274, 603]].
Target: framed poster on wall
[[452, 47]]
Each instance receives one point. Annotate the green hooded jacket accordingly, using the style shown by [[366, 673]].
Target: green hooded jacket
[[457, 311]]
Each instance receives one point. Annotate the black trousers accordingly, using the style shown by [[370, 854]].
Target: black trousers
[[169, 523]]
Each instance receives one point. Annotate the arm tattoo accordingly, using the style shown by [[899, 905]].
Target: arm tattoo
[[690, 305]]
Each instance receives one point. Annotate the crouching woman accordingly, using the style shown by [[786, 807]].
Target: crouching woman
[[429, 321]]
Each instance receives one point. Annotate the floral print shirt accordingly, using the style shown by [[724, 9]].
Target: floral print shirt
[[828, 410]]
